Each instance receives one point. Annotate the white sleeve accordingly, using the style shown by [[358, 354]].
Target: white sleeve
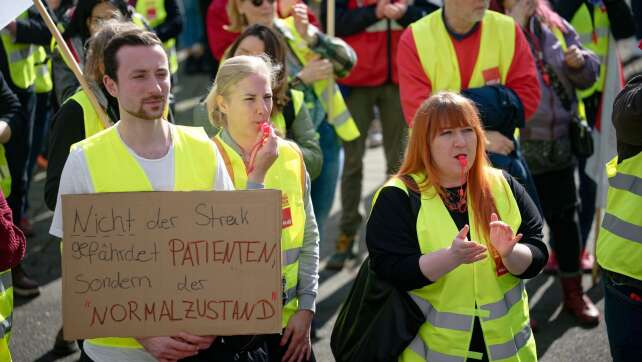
[[74, 179], [223, 180]]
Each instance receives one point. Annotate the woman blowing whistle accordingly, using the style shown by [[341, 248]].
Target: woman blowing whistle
[[462, 258]]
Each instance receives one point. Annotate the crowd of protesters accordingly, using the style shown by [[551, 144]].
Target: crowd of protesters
[[453, 87]]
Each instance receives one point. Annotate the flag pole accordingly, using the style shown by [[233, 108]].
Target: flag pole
[[330, 31], [71, 62]]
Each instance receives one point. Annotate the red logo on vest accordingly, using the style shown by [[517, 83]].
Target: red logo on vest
[[491, 76], [286, 213]]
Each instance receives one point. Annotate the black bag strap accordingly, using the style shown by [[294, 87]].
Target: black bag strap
[[289, 115]]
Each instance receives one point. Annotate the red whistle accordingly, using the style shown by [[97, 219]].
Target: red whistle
[[463, 160]]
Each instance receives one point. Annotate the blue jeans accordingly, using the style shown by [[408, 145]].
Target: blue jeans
[[193, 30], [623, 317], [325, 186]]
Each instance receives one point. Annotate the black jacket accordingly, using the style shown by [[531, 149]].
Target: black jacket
[[9, 103], [499, 107]]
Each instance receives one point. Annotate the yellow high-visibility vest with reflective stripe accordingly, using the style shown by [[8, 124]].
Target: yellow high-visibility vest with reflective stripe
[[91, 120], [619, 244], [278, 120], [439, 60], [106, 155], [594, 34], [6, 314], [451, 303], [340, 119], [5, 175], [20, 58], [287, 174], [155, 14], [43, 82]]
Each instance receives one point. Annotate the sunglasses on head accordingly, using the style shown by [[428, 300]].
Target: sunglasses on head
[[258, 3]]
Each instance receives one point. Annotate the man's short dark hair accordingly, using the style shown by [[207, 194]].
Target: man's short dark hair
[[134, 37]]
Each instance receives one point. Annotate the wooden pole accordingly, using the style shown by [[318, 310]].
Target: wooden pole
[[71, 62], [330, 32]]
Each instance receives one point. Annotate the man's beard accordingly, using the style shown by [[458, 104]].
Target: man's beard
[[149, 115]]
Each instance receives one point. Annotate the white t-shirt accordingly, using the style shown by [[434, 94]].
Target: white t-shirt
[[75, 179]]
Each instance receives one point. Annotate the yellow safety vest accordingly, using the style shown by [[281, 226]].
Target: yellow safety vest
[[594, 35], [43, 82], [5, 175], [91, 120], [106, 154], [287, 174], [340, 118], [20, 58], [6, 314], [278, 120], [155, 14], [439, 60], [452, 302], [619, 244]]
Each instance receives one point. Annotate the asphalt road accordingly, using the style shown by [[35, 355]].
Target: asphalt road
[[37, 320]]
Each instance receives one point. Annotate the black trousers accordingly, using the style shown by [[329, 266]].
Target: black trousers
[[558, 195]]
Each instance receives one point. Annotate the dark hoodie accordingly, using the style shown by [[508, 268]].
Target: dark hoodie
[[627, 119]]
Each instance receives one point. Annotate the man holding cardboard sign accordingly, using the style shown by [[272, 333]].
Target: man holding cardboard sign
[[143, 152]]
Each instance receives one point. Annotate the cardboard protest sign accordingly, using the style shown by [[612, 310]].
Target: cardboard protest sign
[[157, 263]]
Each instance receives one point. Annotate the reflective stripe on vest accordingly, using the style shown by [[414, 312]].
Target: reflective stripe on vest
[[496, 50], [340, 119], [113, 169], [20, 59], [43, 81], [288, 175], [154, 12], [91, 120], [594, 32], [619, 244], [5, 175], [449, 303], [6, 314]]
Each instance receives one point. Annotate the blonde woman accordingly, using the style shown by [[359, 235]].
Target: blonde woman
[[240, 103]]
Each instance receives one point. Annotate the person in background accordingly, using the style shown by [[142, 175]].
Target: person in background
[[595, 22], [289, 117], [19, 40], [463, 255], [563, 67], [85, 21], [311, 58], [10, 117], [220, 35], [619, 244], [372, 29]]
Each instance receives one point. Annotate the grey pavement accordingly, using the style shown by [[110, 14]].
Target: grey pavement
[[37, 320]]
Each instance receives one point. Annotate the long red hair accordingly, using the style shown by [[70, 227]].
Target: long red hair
[[449, 110]]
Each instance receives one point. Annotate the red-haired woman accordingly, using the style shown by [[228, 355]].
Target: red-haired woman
[[466, 279]]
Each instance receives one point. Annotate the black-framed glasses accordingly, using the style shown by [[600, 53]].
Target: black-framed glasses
[[258, 3]]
